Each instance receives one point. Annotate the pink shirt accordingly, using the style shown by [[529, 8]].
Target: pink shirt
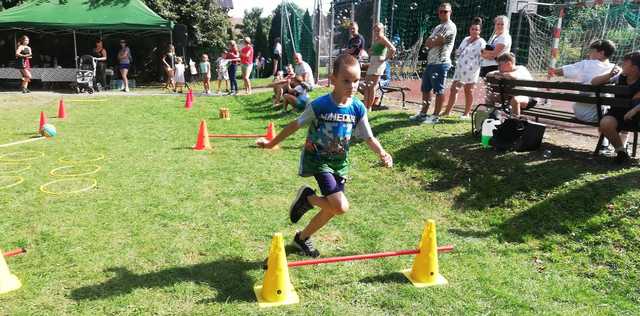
[[244, 59]]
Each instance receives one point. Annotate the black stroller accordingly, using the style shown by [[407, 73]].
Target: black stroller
[[86, 74]]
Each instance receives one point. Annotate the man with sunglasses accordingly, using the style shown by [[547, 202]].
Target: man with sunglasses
[[439, 46]]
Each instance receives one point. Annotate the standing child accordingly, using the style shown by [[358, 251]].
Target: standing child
[[205, 70], [23, 54], [297, 94], [332, 120], [179, 74], [223, 73], [584, 71]]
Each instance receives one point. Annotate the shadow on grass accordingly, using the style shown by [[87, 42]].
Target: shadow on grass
[[182, 148], [393, 277], [227, 276], [490, 179], [565, 212]]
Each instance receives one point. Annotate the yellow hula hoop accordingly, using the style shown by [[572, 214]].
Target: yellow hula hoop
[[63, 160], [20, 180], [43, 187], [55, 174], [39, 154], [27, 167]]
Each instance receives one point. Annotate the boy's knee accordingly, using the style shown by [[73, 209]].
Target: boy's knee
[[339, 204], [341, 208]]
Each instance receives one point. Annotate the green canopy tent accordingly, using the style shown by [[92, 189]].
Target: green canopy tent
[[86, 17]]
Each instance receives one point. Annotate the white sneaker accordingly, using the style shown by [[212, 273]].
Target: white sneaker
[[431, 120], [465, 117], [126, 90], [420, 117]]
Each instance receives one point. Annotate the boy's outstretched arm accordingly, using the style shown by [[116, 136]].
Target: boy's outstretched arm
[[384, 156], [286, 132]]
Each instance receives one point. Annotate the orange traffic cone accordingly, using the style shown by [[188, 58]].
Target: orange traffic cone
[[203, 137], [43, 120], [187, 103], [61, 113], [191, 95], [271, 131]]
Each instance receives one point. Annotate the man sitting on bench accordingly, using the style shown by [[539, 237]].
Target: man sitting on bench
[[618, 119], [507, 69]]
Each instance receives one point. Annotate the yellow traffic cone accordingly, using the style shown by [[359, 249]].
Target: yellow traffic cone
[[424, 271], [277, 288], [8, 281]]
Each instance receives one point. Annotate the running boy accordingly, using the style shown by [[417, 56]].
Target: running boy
[[332, 120]]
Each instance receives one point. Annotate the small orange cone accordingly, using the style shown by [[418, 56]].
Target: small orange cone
[[187, 103], [61, 112], [43, 120], [191, 95], [271, 132], [203, 137]]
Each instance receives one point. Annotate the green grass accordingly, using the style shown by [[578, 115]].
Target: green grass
[[170, 231]]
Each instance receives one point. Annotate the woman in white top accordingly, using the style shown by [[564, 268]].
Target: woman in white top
[[467, 68], [499, 43]]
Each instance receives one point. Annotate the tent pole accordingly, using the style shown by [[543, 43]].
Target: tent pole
[[333, 13], [318, 30], [75, 49]]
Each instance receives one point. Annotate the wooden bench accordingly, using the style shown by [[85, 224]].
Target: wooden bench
[[565, 91]]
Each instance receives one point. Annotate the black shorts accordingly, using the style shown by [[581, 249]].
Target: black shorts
[[487, 69], [618, 114], [330, 183]]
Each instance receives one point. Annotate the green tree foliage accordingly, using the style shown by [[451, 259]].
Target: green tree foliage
[[307, 44], [260, 41], [250, 22], [208, 23], [6, 4]]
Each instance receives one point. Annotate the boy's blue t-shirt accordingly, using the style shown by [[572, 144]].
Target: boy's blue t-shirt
[[331, 127]]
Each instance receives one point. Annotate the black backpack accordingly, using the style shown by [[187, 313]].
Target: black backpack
[[506, 134], [517, 134]]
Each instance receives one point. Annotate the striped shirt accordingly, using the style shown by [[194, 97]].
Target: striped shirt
[[442, 54]]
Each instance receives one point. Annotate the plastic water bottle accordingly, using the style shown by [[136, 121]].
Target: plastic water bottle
[[488, 126]]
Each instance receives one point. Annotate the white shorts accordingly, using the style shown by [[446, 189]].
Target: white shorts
[[376, 66]]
